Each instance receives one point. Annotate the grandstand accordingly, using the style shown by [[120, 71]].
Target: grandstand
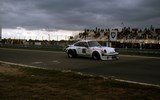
[[127, 37]]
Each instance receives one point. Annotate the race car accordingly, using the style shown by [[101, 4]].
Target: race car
[[89, 48]]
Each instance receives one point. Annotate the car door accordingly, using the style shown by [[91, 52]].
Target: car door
[[82, 48], [85, 49], [78, 47]]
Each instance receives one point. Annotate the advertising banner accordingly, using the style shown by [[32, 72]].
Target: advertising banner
[[113, 36]]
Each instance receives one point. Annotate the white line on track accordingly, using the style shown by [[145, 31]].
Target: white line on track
[[146, 84], [10, 63]]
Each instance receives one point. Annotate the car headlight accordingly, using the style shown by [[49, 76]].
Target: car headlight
[[104, 51]]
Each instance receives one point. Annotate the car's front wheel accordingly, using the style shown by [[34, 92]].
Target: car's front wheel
[[71, 54], [96, 56]]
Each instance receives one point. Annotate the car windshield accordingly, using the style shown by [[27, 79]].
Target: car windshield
[[93, 44]]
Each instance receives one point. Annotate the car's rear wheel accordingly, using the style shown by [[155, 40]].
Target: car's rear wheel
[[72, 53], [96, 56]]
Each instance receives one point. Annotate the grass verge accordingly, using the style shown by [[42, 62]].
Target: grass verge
[[24, 83]]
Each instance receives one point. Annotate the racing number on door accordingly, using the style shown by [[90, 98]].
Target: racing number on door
[[83, 50]]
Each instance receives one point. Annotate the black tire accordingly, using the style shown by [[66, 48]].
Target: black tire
[[96, 56], [72, 54], [117, 57]]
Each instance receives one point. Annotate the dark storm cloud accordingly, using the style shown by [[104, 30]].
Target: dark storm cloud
[[79, 14]]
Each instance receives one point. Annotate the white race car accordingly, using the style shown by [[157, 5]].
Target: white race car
[[89, 48]]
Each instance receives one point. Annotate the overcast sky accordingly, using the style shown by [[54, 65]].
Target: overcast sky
[[79, 14]]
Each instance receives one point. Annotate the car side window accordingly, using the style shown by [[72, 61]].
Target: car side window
[[85, 44], [78, 44], [81, 44]]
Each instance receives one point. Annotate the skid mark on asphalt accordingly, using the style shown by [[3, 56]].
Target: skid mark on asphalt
[[56, 61], [37, 62]]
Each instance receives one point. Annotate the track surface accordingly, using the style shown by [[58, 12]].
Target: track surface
[[133, 68]]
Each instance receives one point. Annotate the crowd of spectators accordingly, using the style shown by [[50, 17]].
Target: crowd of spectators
[[125, 33], [135, 33], [127, 37]]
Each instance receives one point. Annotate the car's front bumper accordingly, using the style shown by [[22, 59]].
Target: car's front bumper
[[110, 56]]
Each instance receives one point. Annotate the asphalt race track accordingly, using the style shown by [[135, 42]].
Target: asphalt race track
[[133, 68]]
